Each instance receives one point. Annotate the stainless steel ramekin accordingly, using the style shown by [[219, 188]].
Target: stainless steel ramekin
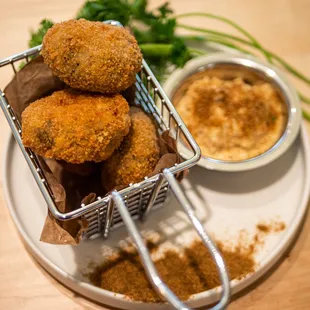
[[228, 66]]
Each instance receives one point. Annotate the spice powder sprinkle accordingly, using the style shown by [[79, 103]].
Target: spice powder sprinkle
[[124, 273]]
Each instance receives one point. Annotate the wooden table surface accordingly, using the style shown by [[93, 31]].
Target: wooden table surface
[[283, 26]]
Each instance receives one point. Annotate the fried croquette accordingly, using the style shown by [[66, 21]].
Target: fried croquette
[[92, 56], [76, 127], [137, 155]]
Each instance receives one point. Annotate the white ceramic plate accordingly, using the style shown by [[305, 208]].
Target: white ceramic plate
[[226, 203]]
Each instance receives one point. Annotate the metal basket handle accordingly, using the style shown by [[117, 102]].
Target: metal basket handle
[[147, 262]]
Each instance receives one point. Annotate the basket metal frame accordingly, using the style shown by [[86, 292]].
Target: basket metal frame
[[122, 207], [145, 100]]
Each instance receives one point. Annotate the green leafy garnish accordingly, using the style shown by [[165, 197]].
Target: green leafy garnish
[[37, 36], [101, 10]]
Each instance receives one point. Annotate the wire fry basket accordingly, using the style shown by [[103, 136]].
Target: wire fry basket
[[137, 200]]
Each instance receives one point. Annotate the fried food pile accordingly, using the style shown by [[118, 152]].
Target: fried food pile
[[89, 121]]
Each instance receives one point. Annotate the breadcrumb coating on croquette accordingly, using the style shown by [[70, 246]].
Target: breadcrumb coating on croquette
[[76, 127], [92, 56], [137, 156]]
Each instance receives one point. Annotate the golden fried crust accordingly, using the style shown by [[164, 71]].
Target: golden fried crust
[[137, 155], [92, 56], [75, 126]]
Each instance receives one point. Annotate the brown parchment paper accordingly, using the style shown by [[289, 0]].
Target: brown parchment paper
[[71, 184]]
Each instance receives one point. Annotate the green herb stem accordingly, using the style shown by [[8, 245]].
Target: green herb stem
[[306, 115], [213, 32], [231, 23], [156, 49], [290, 68], [197, 51], [303, 98], [163, 50], [219, 41]]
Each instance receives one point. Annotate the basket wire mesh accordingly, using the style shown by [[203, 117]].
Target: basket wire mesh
[[135, 201]]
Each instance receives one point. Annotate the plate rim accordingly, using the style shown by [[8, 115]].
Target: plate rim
[[200, 299]]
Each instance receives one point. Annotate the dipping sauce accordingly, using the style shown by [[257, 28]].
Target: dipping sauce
[[231, 120]]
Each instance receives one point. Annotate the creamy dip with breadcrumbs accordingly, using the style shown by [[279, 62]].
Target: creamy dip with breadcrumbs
[[230, 119]]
